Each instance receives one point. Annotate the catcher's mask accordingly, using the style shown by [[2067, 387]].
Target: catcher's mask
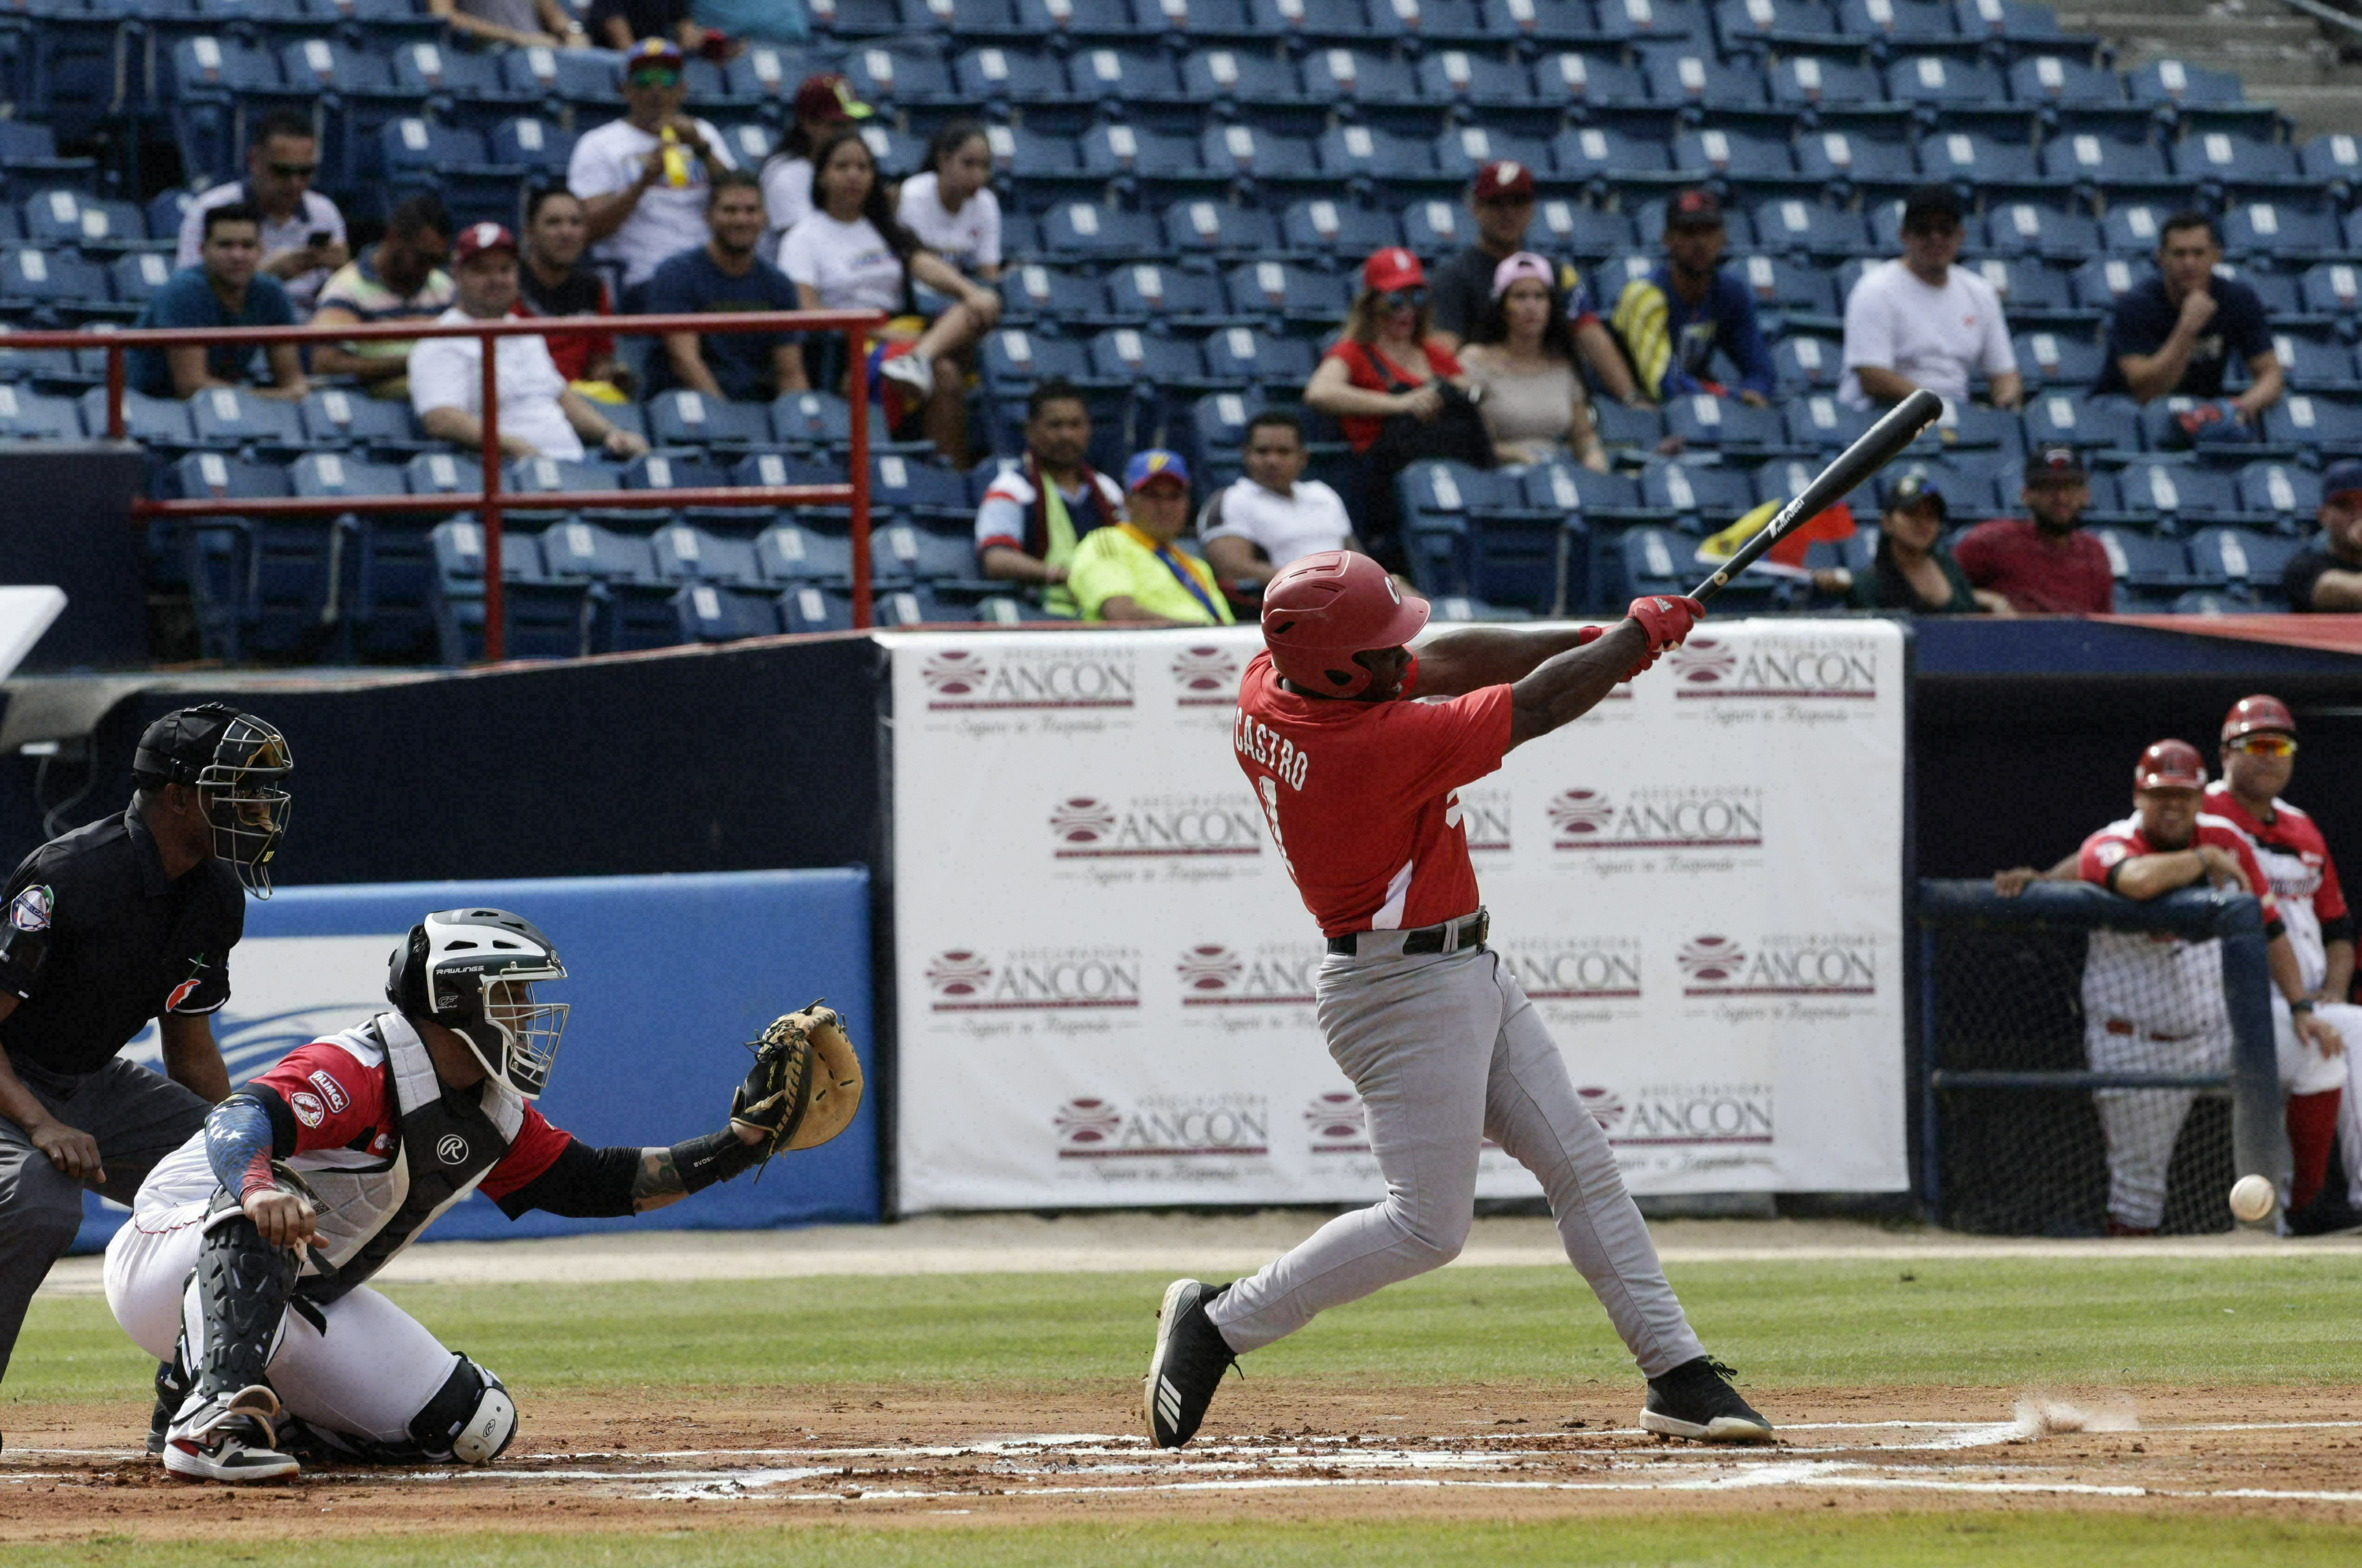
[[239, 766], [472, 971]]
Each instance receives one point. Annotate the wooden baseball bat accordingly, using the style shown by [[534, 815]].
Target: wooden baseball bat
[[1879, 445]]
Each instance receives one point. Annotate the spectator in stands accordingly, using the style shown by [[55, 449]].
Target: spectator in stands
[[399, 278], [949, 204], [1396, 391], [2042, 564], [724, 274], [302, 232], [1131, 571], [1912, 571], [554, 281], [2326, 575], [631, 24], [1674, 321], [1521, 360], [643, 179], [1272, 514], [823, 102], [224, 289], [851, 253], [521, 22], [1034, 513], [1922, 322], [2176, 332], [541, 416], [1502, 197]]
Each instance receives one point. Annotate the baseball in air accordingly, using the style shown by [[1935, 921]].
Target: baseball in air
[[2252, 1197]]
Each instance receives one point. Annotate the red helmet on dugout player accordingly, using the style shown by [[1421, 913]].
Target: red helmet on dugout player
[[1323, 609], [2170, 765], [2250, 715]]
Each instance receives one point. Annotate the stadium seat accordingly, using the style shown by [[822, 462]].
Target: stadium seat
[[1737, 160], [444, 473], [1464, 150], [1081, 230], [1014, 360], [2100, 282], [2332, 288], [2241, 557], [686, 418], [2028, 290], [2333, 159], [902, 554], [1296, 294], [1338, 229], [1815, 83], [791, 553], [1437, 229], [1788, 290], [2315, 425], [236, 419], [885, 75], [1694, 79], [1802, 227], [2052, 232], [2172, 83], [133, 280], [55, 285], [1702, 499], [1339, 76], [2053, 359], [1378, 166], [2280, 229], [1639, 22], [1229, 79], [335, 418], [1144, 293], [2147, 567], [718, 613], [2090, 159], [1969, 158], [1259, 158], [1637, 428], [1707, 422], [1801, 364], [2110, 424], [1608, 158], [808, 608], [2286, 495], [2316, 363], [1148, 362], [1458, 76], [26, 415], [917, 489], [1218, 229], [995, 78], [1936, 80], [2175, 493], [2228, 160], [91, 223], [1757, 26], [1244, 356], [684, 554], [523, 142], [1847, 161], [1823, 423], [2058, 80], [1546, 23], [1570, 79]]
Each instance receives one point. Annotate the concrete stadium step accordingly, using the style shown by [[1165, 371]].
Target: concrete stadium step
[[2282, 57]]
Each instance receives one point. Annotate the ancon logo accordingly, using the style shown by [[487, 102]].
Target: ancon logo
[[1780, 965], [1822, 668], [1685, 816], [1220, 1126], [1595, 969], [1084, 827], [962, 679], [1212, 975], [964, 980]]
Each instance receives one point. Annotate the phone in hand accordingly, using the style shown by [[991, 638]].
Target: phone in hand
[[320, 238]]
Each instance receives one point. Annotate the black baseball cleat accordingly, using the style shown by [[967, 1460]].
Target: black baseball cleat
[[1695, 1400], [1191, 1356]]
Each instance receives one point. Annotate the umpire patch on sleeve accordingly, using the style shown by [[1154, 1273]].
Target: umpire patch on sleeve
[[30, 912]]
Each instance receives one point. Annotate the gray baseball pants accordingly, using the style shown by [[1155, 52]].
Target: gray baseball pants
[[1445, 1050], [137, 1116]]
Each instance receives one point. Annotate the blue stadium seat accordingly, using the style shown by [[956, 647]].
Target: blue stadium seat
[[132, 280], [1429, 23], [666, 470], [2026, 287], [444, 472], [870, 19], [1800, 227], [1573, 78], [1736, 159], [630, 607], [1340, 21], [2146, 569], [1895, 21], [1823, 423], [1607, 158], [2171, 81], [1145, 291], [1847, 161], [26, 414], [808, 608], [1968, 158], [961, 18], [2332, 288], [1031, 292], [1259, 158], [1358, 76], [684, 418], [2100, 282], [1457, 76], [1299, 294], [1014, 360], [523, 142], [586, 80], [1218, 229], [1755, 27], [1802, 364], [1546, 22], [414, 152], [1702, 499], [2088, 158], [2060, 80], [2315, 425], [1154, 163], [2173, 493], [2088, 423], [1580, 230], [161, 421], [1378, 165], [1789, 289], [2242, 558], [995, 78], [1196, 20], [324, 475], [236, 418], [1228, 78], [1940, 81], [2332, 160], [791, 553], [1123, 80], [1243, 355], [54, 284], [903, 553], [766, 74], [1464, 150], [2286, 495], [1148, 361], [1633, 428], [687, 554], [2282, 229], [1438, 229], [884, 74], [1075, 22], [202, 81], [1079, 230], [334, 416], [2055, 359], [465, 86], [1810, 81], [1709, 423], [1693, 78], [1338, 229], [1646, 21], [2226, 160], [2030, 228], [1042, 167], [91, 223], [718, 613], [1635, 561], [916, 490], [2316, 362]]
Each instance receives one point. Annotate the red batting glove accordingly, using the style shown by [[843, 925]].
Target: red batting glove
[[1585, 635], [1665, 620]]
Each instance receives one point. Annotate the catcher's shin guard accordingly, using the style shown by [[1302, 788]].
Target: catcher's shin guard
[[231, 1315], [470, 1420], [171, 1389]]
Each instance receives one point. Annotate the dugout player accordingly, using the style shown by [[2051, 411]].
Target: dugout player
[[1359, 789], [2154, 1003], [246, 1262], [128, 918], [2259, 755]]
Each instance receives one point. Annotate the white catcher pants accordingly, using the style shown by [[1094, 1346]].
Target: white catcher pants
[[375, 1369], [1444, 1050]]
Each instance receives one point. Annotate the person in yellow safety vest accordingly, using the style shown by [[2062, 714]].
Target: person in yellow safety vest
[[1034, 512]]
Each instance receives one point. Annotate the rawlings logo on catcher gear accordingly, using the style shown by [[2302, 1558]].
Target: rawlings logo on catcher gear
[[451, 1149]]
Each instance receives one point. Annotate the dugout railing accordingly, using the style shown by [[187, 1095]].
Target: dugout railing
[[2011, 1140], [489, 505]]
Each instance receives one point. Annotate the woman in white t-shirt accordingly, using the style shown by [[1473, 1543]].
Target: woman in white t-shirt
[[948, 205], [852, 253]]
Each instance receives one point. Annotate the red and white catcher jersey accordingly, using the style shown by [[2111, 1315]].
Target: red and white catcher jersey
[[2296, 859], [1361, 797]]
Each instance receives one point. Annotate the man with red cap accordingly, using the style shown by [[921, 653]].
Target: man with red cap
[[2259, 755], [2154, 1003], [541, 416], [1360, 788], [1502, 198]]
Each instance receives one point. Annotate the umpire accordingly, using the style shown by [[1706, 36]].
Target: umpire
[[126, 920]]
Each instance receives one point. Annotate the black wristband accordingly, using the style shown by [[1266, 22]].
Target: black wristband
[[717, 1156], [2302, 1004]]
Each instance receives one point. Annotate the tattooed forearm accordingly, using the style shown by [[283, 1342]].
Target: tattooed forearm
[[656, 1182]]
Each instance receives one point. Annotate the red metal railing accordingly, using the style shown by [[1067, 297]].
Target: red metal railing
[[492, 503]]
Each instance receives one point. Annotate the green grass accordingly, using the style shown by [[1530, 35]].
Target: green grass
[[1803, 1535], [1992, 1323]]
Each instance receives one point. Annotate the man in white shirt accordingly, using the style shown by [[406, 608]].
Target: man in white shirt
[[1922, 322], [541, 416], [1274, 515], [302, 232], [643, 196]]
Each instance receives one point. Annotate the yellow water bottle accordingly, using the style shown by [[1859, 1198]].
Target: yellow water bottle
[[676, 161]]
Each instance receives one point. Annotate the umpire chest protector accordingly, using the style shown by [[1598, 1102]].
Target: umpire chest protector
[[444, 1142]]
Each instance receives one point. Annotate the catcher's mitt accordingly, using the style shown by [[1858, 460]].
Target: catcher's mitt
[[806, 1082]]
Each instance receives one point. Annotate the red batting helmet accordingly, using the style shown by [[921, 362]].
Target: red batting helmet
[[1323, 609], [2170, 765], [2249, 714]]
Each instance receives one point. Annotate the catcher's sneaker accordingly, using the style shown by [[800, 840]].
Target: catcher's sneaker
[[1191, 1356], [231, 1442], [1694, 1401]]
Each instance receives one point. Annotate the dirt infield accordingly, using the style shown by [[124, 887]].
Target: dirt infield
[[1271, 1450]]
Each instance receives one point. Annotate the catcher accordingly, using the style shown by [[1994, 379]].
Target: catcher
[[245, 1263]]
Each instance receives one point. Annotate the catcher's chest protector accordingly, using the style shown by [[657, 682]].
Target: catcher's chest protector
[[444, 1144]]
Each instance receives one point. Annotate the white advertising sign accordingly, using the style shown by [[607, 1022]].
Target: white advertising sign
[[1104, 975]]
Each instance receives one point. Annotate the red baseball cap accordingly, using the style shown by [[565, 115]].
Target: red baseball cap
[[828, 96], [1506, 178], [2170, 765], [1391, 268], [479, 238]]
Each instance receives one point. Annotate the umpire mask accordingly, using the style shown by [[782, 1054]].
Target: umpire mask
[[473, 971], [239, 766]]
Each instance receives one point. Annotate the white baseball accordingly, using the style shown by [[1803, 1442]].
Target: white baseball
[[2252, 1197]]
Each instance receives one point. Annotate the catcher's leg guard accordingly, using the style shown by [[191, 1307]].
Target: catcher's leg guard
[[470, 1420], [171, 1389], [231, 1318]]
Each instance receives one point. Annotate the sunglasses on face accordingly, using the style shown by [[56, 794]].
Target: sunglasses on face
[[2266, 745], [660, 78], [294, 171], [1402, 299]]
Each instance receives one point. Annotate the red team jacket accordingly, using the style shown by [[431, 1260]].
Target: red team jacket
[[1361, 797], [340, 1104]]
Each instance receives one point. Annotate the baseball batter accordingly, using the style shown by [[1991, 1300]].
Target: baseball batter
[[246, 1261], [2258, 757], [1359, 787], [2153, 1002]]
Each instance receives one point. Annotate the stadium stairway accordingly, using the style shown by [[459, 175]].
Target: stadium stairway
[[2281, 56]]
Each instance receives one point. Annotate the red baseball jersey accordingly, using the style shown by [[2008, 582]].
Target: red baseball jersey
[[1361, 797], [2296, 858], [2120, 841], [337, 1103]]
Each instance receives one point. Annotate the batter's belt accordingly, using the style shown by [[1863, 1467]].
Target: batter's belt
[[1457, 935]]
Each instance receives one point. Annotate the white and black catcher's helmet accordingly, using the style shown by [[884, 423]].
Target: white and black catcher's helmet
[[473, 971]]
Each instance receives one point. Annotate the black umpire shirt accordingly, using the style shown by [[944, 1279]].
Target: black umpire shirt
[[97, 941]]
